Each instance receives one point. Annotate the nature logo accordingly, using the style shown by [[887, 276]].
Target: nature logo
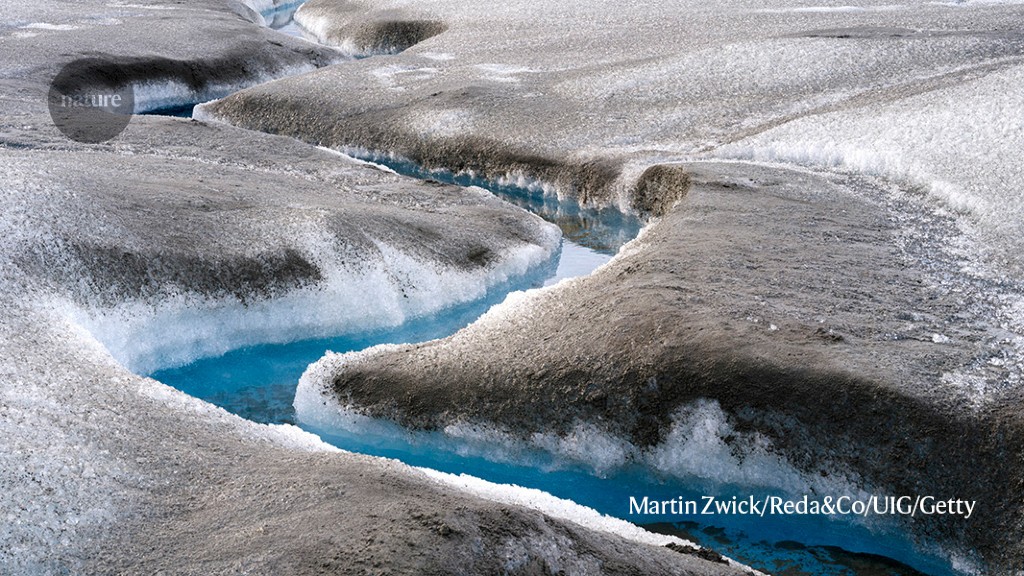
[[89, 101]]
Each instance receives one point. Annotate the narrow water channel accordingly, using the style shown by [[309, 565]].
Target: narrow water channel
[[259, 383]]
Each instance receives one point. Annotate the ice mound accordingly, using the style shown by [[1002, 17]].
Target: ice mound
[[770, 330], [161, 93], [701, 445], [174, 283], [960, 142], [379, 291], [362, 30], [147, 336]]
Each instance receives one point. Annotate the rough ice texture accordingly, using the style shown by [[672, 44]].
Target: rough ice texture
[[564, 509], [556, 507], [702, 444], [106, 472], [899, 291], [248, 266], [100, 478], [588, 97], [810, 342], [224, 51], [959, 141], [361, 31], [729, 298]]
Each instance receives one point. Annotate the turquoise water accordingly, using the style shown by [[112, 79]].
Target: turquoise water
[[602, 229], [182, 111], [796, 545], [259, 383]]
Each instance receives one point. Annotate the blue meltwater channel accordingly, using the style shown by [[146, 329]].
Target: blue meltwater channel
[[259, 383]]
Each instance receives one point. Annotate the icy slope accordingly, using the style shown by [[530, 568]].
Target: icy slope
[[190, 245], [357, 30], [960, 143], [226, 49], [586, 95], [779, 329], [212, 235], [105, 472]]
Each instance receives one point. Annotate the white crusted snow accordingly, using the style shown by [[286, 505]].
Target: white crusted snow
[[48, 26], [557, 508]]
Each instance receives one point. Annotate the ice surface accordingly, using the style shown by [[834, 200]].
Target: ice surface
[[639, 84], [161, 94], [359, 287], [560, 508], [959, 143], [48, 26], [58, 485], [147, 336], [701, 445], [86, 446], [552, 506], [922, 94]]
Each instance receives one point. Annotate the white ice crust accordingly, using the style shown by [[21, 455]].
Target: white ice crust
[[557, 508], [378, 293]]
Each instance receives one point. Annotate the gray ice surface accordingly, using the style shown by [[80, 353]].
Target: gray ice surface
[[180, 236], [874, 149]]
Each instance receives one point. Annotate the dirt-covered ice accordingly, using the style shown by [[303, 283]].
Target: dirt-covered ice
[[778, 328], [586, 95], [860, 306], [180, 238]]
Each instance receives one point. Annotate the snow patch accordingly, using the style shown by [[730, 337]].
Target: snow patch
[[502, 72], [394, 75], [48, 26], [140, 6], [829, 9], [436, 56]]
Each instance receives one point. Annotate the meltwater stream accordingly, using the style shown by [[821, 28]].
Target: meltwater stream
[[259, 383]]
